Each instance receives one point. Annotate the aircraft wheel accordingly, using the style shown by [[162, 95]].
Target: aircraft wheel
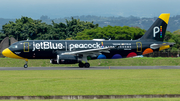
[[25, 66], [81, 65], [86, 65]]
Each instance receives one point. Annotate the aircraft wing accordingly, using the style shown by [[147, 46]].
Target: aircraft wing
[[89, 51]]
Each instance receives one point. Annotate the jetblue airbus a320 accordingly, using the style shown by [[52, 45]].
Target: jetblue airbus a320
[[76, 51]]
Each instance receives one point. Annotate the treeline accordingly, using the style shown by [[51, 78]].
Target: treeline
[[75, 29], [110, 32], [27, 28]]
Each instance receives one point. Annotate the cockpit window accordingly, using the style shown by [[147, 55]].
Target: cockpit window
[[13, 46]]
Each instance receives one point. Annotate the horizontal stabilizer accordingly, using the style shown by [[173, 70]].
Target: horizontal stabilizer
[[156, 46]]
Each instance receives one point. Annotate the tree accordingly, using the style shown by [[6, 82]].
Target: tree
[[115, 33], [25, 28], [168, 37], [74, 26]]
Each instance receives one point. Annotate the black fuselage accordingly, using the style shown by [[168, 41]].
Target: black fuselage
[[49, 49]]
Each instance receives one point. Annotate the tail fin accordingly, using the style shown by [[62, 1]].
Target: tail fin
[[157, 31]]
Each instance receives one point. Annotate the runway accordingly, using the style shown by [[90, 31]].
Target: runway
[[91, 68]]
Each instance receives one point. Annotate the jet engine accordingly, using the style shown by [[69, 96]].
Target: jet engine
[[64, 59]]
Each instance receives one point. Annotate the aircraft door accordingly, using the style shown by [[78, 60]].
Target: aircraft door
[[139, 46], [26, 46]]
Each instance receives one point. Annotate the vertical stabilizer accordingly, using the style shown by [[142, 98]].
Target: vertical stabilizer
[[157, 31]]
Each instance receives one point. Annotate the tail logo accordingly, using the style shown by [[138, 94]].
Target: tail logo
[[157, 30], [160, 31], [102, 44]]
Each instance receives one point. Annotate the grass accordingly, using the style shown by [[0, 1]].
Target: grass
[[89, 82], [92, 82], [8, 62], [139, 99]]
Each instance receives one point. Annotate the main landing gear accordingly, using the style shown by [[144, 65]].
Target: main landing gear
[[86, 65], [26, 61]]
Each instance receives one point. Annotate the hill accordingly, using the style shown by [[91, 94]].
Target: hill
[[132, 21]]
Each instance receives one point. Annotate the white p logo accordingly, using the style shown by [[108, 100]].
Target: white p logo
[[155, 31]]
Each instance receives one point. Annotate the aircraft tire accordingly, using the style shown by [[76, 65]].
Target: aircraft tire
[[86, 65], [81, 65], [25, 66]]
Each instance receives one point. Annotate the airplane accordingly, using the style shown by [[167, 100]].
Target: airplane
[[76, 51]]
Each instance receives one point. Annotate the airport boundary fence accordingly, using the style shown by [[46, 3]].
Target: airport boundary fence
[[163, 54], [1, 56]]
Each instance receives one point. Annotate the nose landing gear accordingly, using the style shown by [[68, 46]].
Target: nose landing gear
[[26, 61]]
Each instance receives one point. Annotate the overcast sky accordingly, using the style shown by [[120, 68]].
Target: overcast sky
[[66, 8]]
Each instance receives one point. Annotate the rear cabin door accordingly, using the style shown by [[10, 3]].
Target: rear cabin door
[[139, 46]]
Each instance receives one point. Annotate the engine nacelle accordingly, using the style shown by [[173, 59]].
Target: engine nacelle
[[67, 61], [64, 59]]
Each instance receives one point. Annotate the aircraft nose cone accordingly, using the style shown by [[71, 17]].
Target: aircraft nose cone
[[6, 52]]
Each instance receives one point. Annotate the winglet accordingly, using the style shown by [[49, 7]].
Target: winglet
[[165, 17]]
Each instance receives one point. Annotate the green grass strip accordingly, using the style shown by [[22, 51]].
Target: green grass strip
[[89, 82], [8, 62], [140, 99]]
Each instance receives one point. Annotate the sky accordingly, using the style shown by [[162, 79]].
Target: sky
[[67, 8]]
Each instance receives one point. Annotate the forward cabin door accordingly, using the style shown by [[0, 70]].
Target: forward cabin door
[[26, 46], [139, 46]]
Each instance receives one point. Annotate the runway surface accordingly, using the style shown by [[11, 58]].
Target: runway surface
[[91, 68]]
